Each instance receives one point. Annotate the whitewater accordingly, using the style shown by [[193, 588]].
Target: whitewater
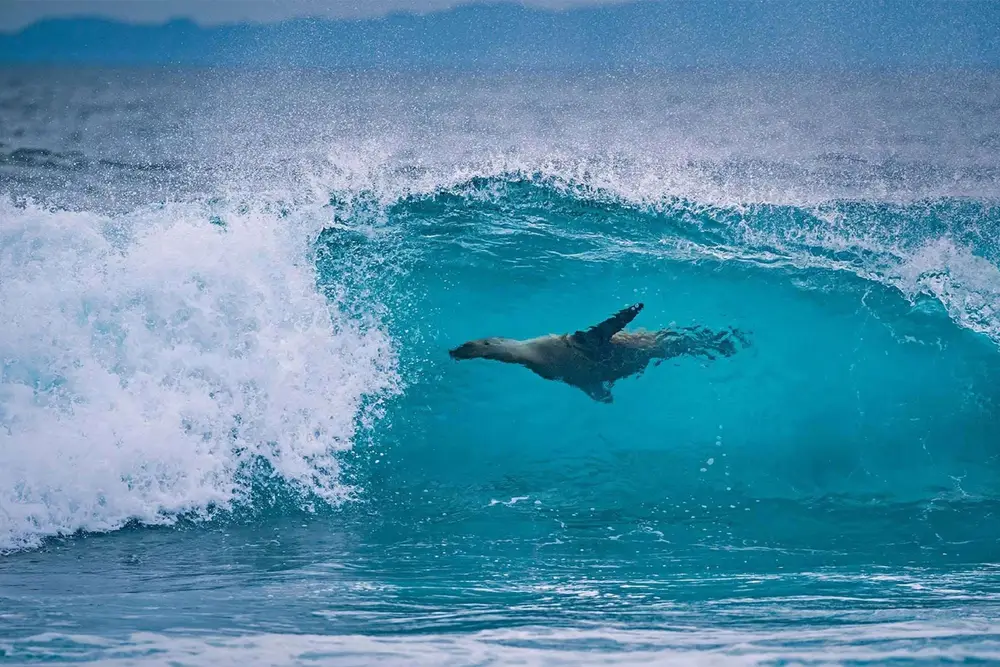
[[230, 431]]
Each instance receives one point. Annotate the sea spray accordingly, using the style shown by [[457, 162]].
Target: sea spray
[[148, 359]]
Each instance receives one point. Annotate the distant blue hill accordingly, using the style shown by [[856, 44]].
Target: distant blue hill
[[679, 33]]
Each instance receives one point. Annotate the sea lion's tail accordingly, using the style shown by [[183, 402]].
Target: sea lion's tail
[[702, 341]]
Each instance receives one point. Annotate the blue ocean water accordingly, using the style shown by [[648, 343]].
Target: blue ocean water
[[231, 431]]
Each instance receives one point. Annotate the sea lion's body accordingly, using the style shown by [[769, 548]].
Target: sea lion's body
[[595, 358]]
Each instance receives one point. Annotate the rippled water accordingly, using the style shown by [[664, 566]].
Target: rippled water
[[230, 430]]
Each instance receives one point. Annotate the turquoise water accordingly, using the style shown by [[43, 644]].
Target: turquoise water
[[232, 431]]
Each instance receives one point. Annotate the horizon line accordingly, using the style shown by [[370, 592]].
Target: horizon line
[[523, 5]]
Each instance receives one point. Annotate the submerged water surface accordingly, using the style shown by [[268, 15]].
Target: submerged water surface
[[230, 430]]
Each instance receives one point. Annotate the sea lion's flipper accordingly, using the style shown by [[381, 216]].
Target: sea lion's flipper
[[602, 333], [599, 392]]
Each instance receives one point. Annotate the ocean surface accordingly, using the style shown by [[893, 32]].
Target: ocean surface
[[230, 431]]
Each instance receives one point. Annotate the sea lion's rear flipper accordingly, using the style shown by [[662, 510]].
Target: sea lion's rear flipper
[[599, 392], [602, 333]]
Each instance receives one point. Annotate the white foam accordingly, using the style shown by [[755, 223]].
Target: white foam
[[966, 638], [967, 285], [146, 358]]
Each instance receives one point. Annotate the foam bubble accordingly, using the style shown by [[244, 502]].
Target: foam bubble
[[147, 359], [966, 284]]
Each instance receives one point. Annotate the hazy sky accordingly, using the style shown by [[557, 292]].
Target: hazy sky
[[15, 14]]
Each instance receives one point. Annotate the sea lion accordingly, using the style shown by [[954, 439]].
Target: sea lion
[[594, 359]]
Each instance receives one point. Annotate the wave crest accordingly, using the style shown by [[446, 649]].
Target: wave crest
[[939, 249]]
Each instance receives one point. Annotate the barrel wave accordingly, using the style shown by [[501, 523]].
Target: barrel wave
[[165, 355], [873, 346], [226, 388]]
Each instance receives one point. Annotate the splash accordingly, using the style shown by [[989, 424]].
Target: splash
[[151, 360]]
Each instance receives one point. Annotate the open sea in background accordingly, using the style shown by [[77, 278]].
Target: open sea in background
[[230, 431]]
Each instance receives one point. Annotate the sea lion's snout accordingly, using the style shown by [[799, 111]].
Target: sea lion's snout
[[487, 348], [464, 351]]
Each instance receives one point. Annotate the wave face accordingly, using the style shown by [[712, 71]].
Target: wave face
[[873, 343], [227, 301]]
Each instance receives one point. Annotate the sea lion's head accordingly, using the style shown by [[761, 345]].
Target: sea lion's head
[[484, 348]]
